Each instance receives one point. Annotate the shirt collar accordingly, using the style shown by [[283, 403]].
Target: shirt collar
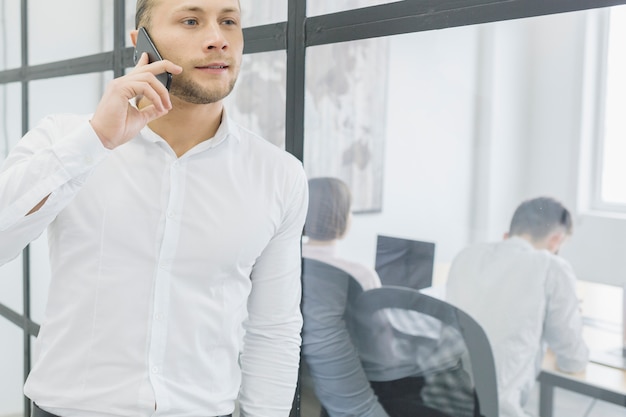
[[521, 242], [227, 128]]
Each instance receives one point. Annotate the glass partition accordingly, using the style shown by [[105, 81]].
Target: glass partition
[[12, 375], [10, 117], [64, 29], [319, 7], [11, 285], [10, 133], [257, 13], [437, 136], [51, 95], [258, 100], [10, 37]]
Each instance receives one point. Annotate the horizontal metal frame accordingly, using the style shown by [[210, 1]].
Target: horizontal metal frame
[[259, 39], [376, 21], [409, 17], [19, 320]]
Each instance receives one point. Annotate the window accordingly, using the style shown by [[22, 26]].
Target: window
[[611, 193]]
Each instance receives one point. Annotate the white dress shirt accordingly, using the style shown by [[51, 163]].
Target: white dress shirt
[[523, 298], [168, 275]]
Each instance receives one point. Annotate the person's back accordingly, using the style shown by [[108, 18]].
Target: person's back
[[524, 296]]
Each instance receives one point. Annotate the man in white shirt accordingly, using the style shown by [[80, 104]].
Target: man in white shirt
[[174, 238], [524, 296]]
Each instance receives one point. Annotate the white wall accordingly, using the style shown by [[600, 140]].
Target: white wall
[[430, 129]]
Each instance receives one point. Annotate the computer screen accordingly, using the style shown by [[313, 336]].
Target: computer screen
[[405, 262]]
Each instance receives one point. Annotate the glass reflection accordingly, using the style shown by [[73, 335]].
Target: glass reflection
[[258, 100], [346, 105]]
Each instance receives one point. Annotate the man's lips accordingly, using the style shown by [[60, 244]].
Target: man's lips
[[213, 67]]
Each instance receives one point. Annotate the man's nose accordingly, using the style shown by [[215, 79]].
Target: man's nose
[[214, 38]]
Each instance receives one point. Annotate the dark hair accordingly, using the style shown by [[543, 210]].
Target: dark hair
[[329, 208], [538, 217], [142, 13]]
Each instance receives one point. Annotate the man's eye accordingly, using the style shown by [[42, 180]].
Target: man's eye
[[190, 22], [229, 22]]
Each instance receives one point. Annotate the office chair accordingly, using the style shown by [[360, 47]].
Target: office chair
[[341, 371], [481, 363]]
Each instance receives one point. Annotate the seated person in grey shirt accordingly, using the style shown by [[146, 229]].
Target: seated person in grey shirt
[[383, 376], [523, 295]]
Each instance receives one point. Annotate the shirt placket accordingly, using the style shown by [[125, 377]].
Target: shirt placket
[[161, 310]]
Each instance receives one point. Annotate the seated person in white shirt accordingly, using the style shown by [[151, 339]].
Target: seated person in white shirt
[[352, 378], [174, 238], [524, 297]]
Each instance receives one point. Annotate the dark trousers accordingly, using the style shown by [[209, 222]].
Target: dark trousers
[[401, 398], [38, 412]]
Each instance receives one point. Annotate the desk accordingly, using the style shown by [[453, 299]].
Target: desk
[[598, 381]]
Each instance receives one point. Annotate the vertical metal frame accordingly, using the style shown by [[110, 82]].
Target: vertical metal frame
[[294, 36], [26, 337]]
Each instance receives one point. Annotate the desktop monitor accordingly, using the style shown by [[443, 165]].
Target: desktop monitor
[[405, 262]]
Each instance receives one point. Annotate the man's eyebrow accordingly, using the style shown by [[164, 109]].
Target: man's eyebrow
[[192, 8]]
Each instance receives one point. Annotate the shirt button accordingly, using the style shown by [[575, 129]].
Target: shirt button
[[171, 214], [158, 317], [88, 160], [155, 370]]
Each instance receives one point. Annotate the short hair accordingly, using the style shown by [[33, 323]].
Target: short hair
[[142, 13], [329, 208], [538, 217]]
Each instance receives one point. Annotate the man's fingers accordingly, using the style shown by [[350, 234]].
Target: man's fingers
[[157, 67]]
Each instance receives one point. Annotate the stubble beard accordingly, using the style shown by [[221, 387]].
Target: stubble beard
[[191, 92]]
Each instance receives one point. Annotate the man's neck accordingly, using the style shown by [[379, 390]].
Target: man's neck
[[187, 125]]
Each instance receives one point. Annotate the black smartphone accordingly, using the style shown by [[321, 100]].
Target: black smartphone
[[145, 44]]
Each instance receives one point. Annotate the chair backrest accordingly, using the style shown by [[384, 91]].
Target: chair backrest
[[354, 351], [481, 362]]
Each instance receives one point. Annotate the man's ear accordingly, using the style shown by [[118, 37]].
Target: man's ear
[[554, 241], [133, 36]]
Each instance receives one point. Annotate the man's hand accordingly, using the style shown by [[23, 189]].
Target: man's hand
[[115, 120]]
